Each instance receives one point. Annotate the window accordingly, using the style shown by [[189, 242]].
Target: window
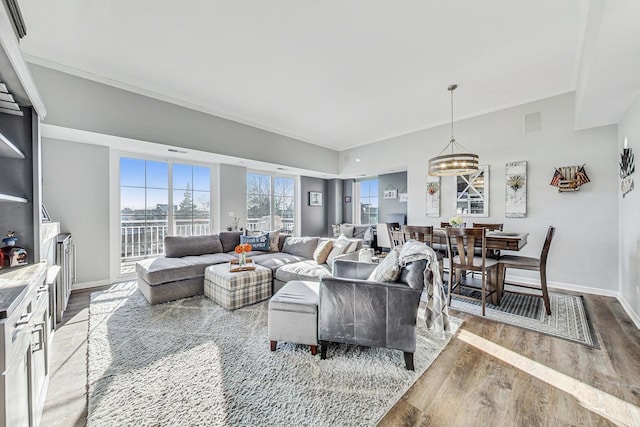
[[270, 203], [146, 194], [191, 200], [367, 191]]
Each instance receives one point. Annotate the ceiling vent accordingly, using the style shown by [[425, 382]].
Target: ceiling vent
[[532, 122]]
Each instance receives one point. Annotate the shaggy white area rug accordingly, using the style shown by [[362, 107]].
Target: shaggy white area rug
[[192, 363]]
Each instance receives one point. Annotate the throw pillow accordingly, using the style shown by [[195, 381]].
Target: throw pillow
[[274, 238], [336, 230], [340, 245], [258, 243], [347, 229], [388, 270], [322, 251]]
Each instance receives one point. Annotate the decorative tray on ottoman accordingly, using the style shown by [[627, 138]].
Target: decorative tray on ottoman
[[235, 267]]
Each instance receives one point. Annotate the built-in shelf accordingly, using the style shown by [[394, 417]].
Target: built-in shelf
[[8, 198], [7, 149]]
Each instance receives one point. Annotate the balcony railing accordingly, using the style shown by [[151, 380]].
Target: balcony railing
[[142, 239]]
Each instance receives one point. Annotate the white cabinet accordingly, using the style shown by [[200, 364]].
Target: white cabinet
[[24, 335]]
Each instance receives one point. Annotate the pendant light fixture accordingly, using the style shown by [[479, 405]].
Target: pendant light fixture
[[453, 164]]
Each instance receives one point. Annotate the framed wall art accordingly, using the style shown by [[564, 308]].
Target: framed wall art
[[433, 196], [515, 199], [315, 198]]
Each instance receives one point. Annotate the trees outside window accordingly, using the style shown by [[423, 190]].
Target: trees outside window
[[270, 203]]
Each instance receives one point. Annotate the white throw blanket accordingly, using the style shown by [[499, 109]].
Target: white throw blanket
[[437, 311]]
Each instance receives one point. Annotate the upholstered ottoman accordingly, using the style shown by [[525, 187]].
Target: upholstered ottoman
[[235, 290], [293, 314]]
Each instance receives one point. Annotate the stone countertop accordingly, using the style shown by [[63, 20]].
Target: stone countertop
[[14, 283]]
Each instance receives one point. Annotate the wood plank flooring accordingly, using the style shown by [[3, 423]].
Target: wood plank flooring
[[490, 374]]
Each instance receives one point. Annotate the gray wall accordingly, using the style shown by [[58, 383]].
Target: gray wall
[[314, 218], [335, 202], [587, 229], [16, 179], [76, 194], [83, 104], [629, 212], [390, 181]]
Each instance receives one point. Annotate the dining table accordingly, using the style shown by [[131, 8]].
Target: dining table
[[495, 240]]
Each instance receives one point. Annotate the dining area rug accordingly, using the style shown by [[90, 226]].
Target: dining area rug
[[569, 318], [190, 362]]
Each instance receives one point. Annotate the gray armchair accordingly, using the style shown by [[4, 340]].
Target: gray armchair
[[356, 311]]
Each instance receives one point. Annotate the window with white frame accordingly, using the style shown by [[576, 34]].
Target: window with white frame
[[366, 196], [270, 203], [152, 205]]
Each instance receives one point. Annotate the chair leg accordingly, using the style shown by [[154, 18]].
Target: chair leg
[[273, 345], [408, 361], [314, 349], [545, 293], [484, 289]]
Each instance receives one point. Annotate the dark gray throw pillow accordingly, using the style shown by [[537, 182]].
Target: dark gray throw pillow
[[178, 246], [230, 239]]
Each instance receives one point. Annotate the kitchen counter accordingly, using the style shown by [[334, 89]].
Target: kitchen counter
[[14, 283]]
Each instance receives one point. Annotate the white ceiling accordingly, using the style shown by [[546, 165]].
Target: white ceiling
[[336, 73]]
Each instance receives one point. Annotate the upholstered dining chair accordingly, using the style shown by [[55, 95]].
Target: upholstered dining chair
[[528, 263], [464, 240], [383, 235]]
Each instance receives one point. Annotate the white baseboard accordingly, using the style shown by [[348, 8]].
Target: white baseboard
[[635, 318], [565, 286], [88, 285]]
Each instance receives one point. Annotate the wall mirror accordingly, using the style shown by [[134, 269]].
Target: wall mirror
[[472, 193]]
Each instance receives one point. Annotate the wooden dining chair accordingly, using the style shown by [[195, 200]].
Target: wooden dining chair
[[489, 227], [493, 253], [528, 263], [424, 234], [464, 240], [446, 224]]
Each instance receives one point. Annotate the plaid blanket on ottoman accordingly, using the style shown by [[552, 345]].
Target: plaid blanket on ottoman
[[235, 290]]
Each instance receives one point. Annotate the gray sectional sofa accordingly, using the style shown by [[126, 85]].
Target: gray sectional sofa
[[180, 272]]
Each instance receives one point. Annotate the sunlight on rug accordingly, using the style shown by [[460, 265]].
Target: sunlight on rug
[[190, 362]]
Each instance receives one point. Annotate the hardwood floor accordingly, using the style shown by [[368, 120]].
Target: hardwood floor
[[490, 374]]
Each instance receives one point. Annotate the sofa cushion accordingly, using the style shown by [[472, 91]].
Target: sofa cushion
[[178, 246], [275, 260], [304, 270], [162, 269], [413, 274], [230, 239], [363, 232], [388, 270], [347, 230], [322, 251], [301, 246], [258, 243]]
